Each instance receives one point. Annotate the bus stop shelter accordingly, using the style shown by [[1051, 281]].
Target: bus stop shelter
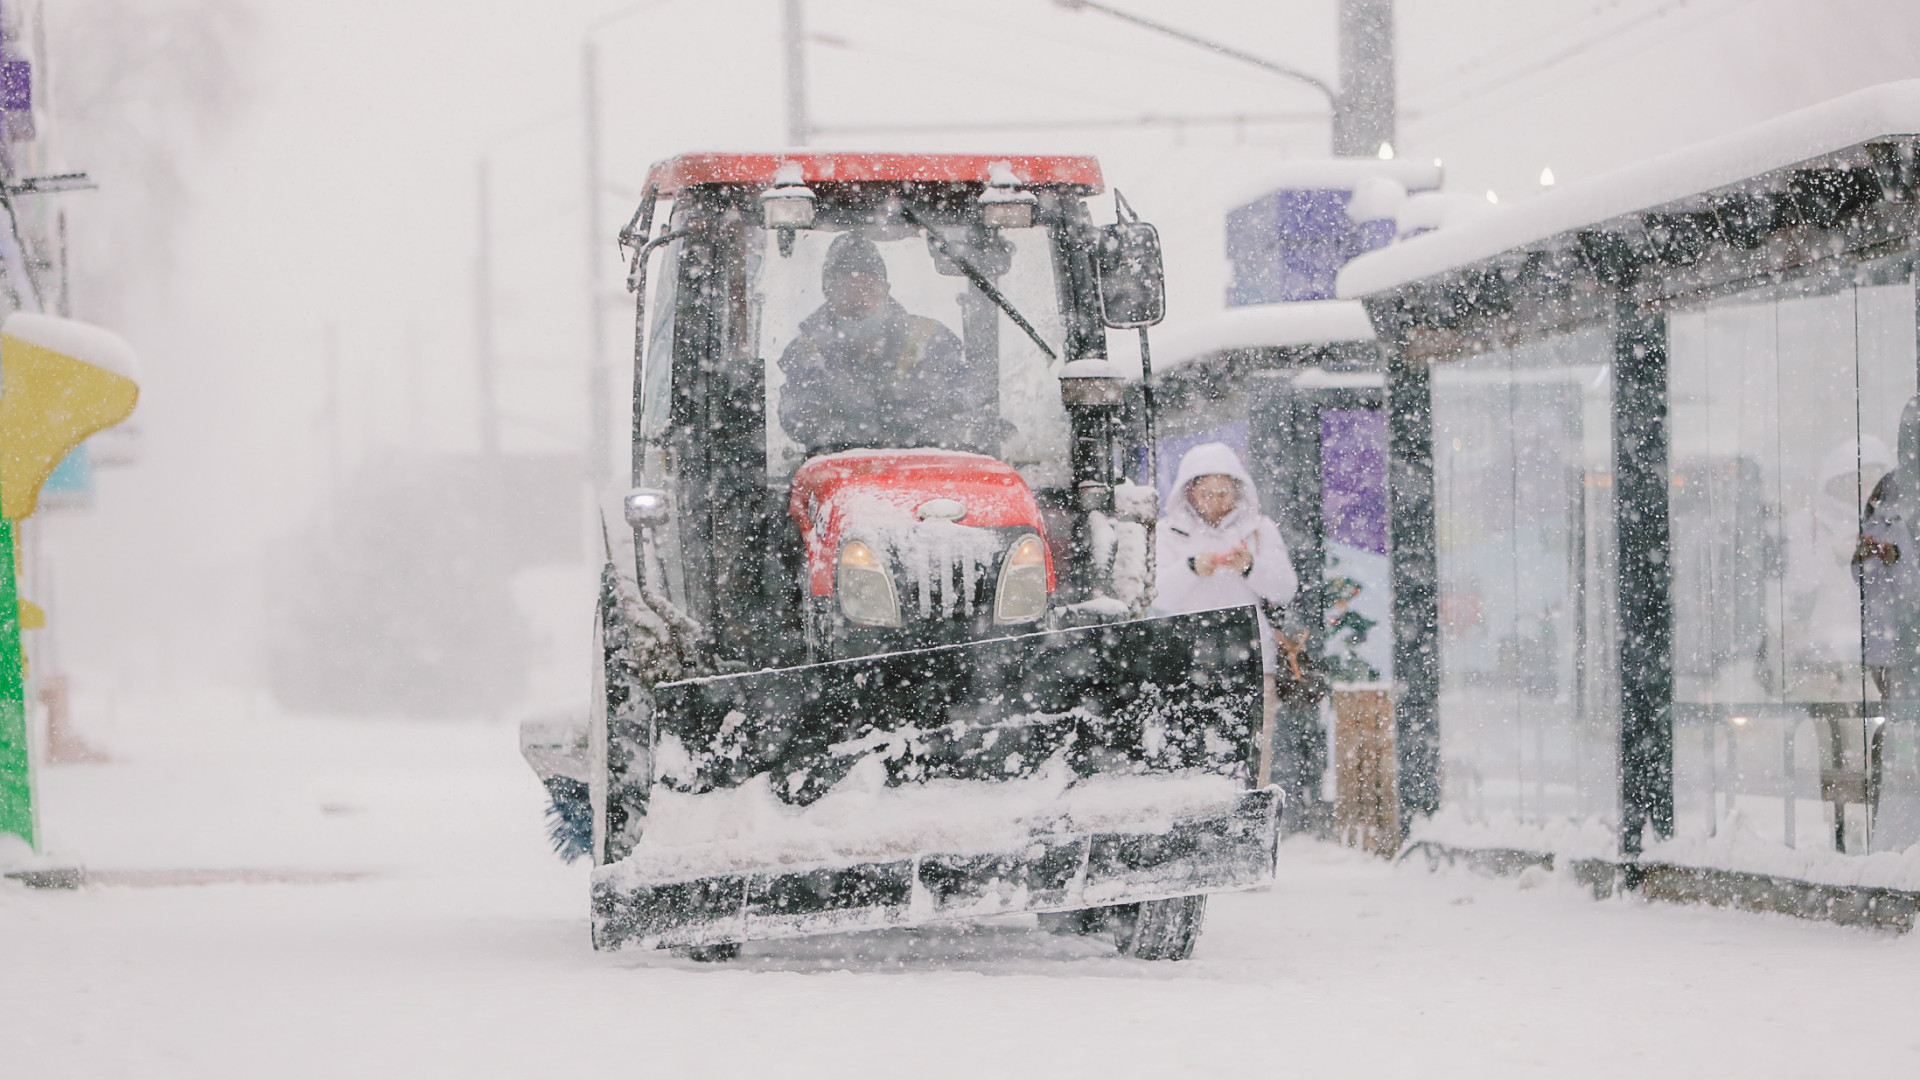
[[1633, 426]]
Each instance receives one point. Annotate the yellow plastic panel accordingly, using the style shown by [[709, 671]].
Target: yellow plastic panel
[[60, 381]]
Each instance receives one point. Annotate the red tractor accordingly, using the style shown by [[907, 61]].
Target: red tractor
[[879, 653]]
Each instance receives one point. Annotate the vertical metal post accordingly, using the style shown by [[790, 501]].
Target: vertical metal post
[[1146, 400], [65, 306], [1415, 571], [798, 128], [599, 372], [1283, 452], [1641, 524], [1713, 781], [1363, 115], [1792, 826], [416, 394], [489, 415]]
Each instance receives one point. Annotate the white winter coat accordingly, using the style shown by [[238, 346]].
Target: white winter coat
[[1182, 535]]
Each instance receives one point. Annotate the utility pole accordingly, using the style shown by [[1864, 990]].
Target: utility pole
[[336, 482], [490, 490], [483, 328], [416, 394], [1363, 121], [599, 372], [796, 36]]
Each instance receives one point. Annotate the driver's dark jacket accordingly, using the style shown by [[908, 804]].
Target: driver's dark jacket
[[903, 383]]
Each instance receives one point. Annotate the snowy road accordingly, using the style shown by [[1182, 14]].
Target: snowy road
[[463, 952]]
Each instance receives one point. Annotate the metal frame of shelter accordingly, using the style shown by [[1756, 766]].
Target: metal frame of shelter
[[1627, 272]]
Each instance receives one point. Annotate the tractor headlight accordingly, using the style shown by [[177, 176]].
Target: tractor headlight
[[866, 589], [1022, 595]]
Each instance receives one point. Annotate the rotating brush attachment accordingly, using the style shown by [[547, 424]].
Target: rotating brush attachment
[[569, 818]]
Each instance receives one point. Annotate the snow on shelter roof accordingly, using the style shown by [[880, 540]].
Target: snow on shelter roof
[[1831, 126], [1306, 322], [757, 170]]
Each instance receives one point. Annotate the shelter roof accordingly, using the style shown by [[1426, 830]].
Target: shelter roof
[[1333, 174], [1658, 183], [1255, 326]]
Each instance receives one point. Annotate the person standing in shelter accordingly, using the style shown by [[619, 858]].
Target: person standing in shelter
[[1215, 549], [1887, 563], [1822, 602]]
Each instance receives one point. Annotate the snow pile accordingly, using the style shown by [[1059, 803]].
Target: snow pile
[[1739, 848], [1262, 326], [747, 828], [14, 852], [1376, 199], [1091, 368], [83, 341], [1136, 502], [1120, 555], [1334, 174], [1889, 109], [1429, 210], [1566, 838], [1736, 848]]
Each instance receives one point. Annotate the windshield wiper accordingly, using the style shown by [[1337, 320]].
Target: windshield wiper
[[980, 281]]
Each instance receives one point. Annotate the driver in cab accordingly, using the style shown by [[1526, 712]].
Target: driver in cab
[[864, 372]]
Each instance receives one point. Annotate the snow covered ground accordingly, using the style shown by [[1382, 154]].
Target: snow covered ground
[[462, 951]]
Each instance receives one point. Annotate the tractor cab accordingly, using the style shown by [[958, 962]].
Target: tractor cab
[[874, 396]]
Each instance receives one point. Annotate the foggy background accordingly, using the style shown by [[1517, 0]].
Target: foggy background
[[278, 176]]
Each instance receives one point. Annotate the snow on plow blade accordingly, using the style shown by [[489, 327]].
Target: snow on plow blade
[[1047, 772]]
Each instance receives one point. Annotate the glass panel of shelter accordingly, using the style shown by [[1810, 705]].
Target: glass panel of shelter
[[1528, 704], [1784, 415]]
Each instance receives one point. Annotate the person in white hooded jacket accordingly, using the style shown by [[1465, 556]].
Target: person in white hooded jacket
[[1215, 549]]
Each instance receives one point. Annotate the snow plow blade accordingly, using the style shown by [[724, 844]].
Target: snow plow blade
[[1047, 772]]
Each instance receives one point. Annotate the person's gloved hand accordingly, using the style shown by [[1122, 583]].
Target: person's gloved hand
[[1870, 548], [1238, 559]]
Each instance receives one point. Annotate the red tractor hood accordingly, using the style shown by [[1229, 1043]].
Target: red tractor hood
[[836, 493]]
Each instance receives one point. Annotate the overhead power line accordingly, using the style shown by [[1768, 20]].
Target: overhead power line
[[1575, 50], [1508, 52]]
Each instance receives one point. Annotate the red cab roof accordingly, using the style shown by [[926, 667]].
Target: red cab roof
[[756, 170]]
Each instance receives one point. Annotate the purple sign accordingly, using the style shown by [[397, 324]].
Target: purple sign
[[1353, 477], [16, 85], [1289, 245]]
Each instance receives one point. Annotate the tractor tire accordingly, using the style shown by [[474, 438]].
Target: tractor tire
[[714, 954], [1161, 929]]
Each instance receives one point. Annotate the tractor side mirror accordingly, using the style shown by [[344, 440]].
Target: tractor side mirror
[[647, 508], [1133, 285]]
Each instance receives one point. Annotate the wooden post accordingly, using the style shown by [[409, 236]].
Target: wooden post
[[1366, 805]]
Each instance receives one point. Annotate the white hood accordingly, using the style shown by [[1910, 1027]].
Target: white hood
[[1212, 459]]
